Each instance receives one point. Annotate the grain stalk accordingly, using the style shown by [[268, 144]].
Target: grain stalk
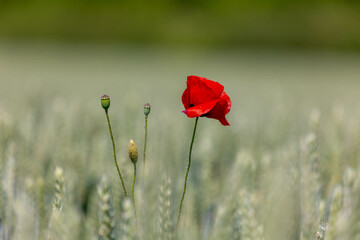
[[106, 211], [128, 227], [55, 229], [59, 188], [245, 225], [335, 209], [164, 226], [309, 187]]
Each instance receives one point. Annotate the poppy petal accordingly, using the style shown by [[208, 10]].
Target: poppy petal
[[199, 110], [216, 87], [224, 122], [225, 102], [218, 112], [203, 90], [186, 98]]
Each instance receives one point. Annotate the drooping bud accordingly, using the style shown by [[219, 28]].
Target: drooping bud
[[147, 109], [133, 151], [105, 101]]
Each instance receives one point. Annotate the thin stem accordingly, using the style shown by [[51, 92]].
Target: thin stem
[[133, 187], [187, 174], [144, 155], [113, 143]]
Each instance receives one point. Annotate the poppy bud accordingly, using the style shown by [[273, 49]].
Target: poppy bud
[[105, 101], [133, 152], [147, 109]]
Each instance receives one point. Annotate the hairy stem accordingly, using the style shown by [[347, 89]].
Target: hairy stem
[[133, 188], [144, 154], [113, 143]]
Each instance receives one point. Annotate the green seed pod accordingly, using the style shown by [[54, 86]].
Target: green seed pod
[[133, 152], [147, 109], [105, 101]]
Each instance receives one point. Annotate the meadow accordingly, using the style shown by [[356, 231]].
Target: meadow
[[286, 168]]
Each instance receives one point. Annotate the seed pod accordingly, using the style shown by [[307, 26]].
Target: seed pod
[[105, 101], [133, 152], [147, 109]]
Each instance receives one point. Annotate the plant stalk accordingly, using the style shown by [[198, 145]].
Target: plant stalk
[[145, 141], [113, 143], [187, 174], [133, 189]]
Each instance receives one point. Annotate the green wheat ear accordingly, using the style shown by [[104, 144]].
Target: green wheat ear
[[334, 214], [128, 226], [105, 103], [106, 211], [310, 185], [165, 225], [59, 188], [245, 224], [8, 184], [56, 220], [320, 234]]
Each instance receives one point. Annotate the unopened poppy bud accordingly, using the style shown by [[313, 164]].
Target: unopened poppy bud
[[105, 101], [147, 109], [133, 151]]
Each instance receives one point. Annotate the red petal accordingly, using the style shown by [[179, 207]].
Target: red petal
[[215, 86], [199, 110], [224, 121], [203, 90], [218, 112], [225, 102], [186, 98]]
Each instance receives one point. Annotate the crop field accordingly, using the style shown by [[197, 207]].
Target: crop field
[[286, 168]]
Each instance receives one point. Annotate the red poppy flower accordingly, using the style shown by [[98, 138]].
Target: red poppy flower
[[206, 98]]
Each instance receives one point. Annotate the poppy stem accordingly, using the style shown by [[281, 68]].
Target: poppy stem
[[133, 187], [113, 143], [145, 141], [187, 174]]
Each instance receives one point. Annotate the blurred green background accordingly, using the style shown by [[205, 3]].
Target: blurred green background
[[325, 24]]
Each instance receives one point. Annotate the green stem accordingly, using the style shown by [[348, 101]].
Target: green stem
[[113, 143], [187, 174], [144, 155], [133, 187]]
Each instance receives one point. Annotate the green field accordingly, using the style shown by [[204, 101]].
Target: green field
[[288, 164], [322, 24]]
